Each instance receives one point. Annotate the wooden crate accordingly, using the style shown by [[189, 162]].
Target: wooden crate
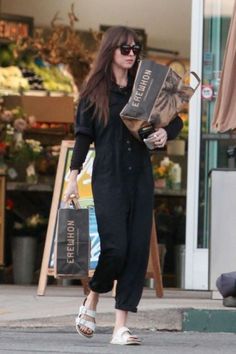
[[45, 109]]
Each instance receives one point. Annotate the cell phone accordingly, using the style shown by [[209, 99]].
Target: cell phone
[[146, 131]]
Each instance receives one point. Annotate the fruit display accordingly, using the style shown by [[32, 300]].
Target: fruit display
[[33, 77], [34, 80], [12, 79], [47, 125], [52, 78], [48, 133]]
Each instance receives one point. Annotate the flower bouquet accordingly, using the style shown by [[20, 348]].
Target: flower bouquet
[[162, 173], [28, 151], [32, 226]]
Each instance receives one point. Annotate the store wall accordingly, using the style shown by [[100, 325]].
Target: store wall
[[167, 23]]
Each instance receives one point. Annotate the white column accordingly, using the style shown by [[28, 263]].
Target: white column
[[196, 261]]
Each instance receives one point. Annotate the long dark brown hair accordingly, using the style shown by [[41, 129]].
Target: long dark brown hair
[[96, 87]]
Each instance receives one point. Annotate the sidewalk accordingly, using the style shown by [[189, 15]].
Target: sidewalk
[[178, 310]]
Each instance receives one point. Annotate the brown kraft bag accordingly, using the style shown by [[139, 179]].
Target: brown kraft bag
[[158, 95]]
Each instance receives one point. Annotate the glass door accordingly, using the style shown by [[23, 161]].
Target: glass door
[[207, 149], [213, 147]]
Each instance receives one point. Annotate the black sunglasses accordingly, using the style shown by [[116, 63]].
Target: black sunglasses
[[126, 48]]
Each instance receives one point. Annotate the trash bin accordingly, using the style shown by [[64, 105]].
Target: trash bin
[[222, 222], [23, 256]]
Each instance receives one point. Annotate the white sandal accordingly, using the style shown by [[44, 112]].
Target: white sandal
[[124, 337], [80, 321]]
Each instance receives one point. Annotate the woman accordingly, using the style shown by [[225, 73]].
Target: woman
[[122, 181]]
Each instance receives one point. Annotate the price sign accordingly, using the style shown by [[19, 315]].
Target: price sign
[[13, 27], [207, 92]]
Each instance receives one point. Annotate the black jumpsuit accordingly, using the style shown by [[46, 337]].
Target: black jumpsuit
[[122, 185]]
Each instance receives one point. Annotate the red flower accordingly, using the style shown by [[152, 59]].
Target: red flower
[[9, 204], [2, 148]]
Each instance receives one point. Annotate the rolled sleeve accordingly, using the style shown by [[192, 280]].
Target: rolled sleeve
[[84, 122], [174, 128]]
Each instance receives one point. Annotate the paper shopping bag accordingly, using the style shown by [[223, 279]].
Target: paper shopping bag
[[72, 244], [158, 95]]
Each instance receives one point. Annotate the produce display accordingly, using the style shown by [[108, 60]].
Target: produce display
[[34, 80], [11, 78], [50, 78], [47, 125], [33, 77]]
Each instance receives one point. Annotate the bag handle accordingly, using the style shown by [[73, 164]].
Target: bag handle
[[197, 78], [74, 202], [187, 73]]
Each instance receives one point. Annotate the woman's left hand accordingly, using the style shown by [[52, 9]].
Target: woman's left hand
[[157, 139]]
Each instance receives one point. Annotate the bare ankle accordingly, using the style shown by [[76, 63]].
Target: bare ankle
[[121, 320], [92, 298]]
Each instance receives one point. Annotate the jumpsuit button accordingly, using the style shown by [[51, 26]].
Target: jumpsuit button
[[129, 149], [128, 141], [130, 168]]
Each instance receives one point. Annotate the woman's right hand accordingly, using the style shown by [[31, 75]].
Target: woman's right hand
[[72, 187]]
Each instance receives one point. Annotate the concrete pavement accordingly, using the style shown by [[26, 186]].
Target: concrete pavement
[[178, 310], [65, 341]]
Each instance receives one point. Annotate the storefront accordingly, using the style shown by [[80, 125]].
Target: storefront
[[207, 149], [54, 115], [200, 148]]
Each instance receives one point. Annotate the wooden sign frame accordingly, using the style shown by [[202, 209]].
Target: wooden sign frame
[[86, 200], [2, 217], [47, 267]]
